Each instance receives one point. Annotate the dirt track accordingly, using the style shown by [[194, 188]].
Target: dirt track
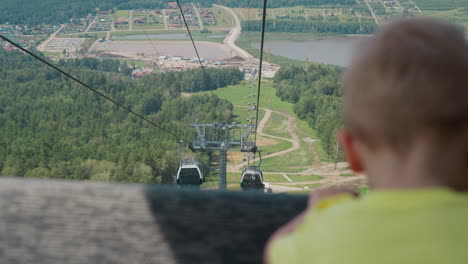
[[329, 171]]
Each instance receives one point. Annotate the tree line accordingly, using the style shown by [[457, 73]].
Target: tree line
[[329, 25], [33, 13], [52, 127], [317, 93]]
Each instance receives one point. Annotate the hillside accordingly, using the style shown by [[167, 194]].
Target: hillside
[[52, 127]]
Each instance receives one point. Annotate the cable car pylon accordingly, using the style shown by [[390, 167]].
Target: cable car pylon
[[223, 137]]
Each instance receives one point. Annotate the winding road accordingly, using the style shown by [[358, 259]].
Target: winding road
[[234, 34]]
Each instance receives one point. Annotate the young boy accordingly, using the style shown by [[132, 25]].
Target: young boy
[[406, 115]]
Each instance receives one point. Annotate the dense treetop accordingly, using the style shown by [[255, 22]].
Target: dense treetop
[[33, 13], [53, 127], [317, 93]]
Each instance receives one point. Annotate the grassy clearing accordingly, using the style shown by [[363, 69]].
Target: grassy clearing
[[213, 178], [281, 145], [286, 169], [247, 13], [122, 13], [154, 26], [303, 178], [310, 186], [299, 157], [347, 174], [277, 125], [239, 96], [52, 54], [440, 5], [241, 114], [307, 131], [295, 178], [137, 63], [223, 17], [274, 178], [314, 185]]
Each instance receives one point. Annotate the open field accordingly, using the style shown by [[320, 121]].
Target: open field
[[300, 157], [277, 146], [223, 18], [122, 13], [241, 114], [239, 96], [295, 12], [297, 158], [277, 125], [307, 131], [287, 169], [438, 5]]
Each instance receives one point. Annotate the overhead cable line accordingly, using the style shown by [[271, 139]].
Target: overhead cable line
[[191, 38], [260, 67], [90, 88]]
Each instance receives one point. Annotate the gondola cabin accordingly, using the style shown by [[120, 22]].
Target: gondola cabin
[[189, 173], [252, 179]]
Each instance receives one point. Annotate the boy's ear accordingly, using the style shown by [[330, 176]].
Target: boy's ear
[[348, 142]]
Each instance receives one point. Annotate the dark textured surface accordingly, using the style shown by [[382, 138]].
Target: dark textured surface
[[83, 222]]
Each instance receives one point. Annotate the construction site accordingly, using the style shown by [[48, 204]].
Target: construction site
[[163, 55]]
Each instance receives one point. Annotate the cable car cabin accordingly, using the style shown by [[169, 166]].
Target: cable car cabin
[[189, 173], [252, 179]]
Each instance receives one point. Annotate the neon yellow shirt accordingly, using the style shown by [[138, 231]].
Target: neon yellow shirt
[[399, 227]]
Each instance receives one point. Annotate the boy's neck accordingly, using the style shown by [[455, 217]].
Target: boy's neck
[[423, 166]]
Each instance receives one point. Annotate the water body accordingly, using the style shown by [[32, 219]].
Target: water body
[[336, 51], [162, 36]]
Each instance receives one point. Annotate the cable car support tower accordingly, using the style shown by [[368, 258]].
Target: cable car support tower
[[223, 137]]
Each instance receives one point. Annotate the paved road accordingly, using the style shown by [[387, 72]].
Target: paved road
[[164, 17], [372, 12], [90, 24], [42, 46], [130, 21], [200, 20]]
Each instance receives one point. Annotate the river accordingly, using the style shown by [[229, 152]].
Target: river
[[336, 51]]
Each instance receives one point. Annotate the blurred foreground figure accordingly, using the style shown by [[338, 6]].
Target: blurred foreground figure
[[406, 115]]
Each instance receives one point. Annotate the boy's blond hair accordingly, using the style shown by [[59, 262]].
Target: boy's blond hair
[[411, 76]]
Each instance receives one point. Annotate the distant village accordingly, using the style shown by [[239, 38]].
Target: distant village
[[75, 38]]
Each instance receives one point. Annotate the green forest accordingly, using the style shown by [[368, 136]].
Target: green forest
[[52, 127], [317, 93], [320, 25], [33, 13]]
